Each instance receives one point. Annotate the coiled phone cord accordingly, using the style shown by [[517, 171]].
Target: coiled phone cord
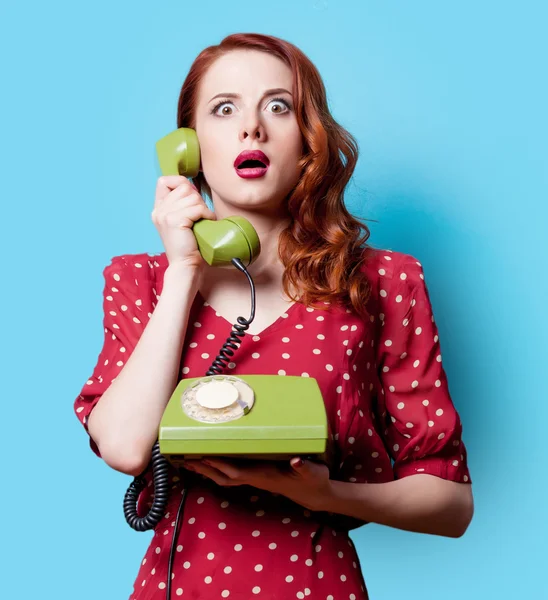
[[160, 464]]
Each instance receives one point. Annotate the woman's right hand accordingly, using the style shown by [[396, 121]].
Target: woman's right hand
[[177, 206]]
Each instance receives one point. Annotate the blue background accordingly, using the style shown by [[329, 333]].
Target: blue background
[[448, 103]]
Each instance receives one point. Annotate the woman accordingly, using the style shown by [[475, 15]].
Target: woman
[[357, 319]]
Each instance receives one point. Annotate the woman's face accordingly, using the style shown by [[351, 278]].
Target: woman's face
[[237, 111]]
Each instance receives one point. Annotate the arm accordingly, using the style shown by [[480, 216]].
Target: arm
[[419, 503], [415, 415], [124, 423]]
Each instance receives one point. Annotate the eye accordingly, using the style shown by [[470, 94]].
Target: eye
[[280, 102], [217, 106]]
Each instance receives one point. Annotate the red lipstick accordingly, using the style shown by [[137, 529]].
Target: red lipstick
[[251, 164]]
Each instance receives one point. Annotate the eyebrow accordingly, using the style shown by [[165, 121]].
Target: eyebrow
[[267, 93]]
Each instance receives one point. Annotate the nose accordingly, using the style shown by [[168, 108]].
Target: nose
[[254, 129]]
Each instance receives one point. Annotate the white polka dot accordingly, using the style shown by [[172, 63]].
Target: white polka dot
[[439, 412], [208, 579], [256, 533], [222, 525], [294, 558], [258, 568], [227, 570], [329, 367], [162, 585], [238, 547], [383, 293], [224, 504], [388, 343], [441, 436], [415, 384], [294, 533], [256, 590], [201, 535], [409, 425], [400, 405], [418, 330], [465, 478], [286, 520], [225, 593], [455, 463], [210, 556], [259, 513], [192, 520], [289, 578], [255, 355], [318, 548], [437, 383], [396, 447], [186, 565], [351, 440], [285, 355], [179, 591], [308, 562], [273, 546], [403, 276], [425, 402], [430, 423], [285, 340], [317, 351], [300, 595]]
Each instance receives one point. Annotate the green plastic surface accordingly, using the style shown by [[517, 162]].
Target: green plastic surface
[[179, 153], [287, 419]]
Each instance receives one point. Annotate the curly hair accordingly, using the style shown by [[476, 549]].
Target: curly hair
[[323, 247]]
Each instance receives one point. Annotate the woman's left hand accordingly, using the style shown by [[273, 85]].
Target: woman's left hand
[[305, 482]]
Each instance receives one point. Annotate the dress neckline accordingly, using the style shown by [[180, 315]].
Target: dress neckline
[[267, 330]]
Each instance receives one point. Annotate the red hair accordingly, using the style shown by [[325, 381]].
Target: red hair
[[323, 247]]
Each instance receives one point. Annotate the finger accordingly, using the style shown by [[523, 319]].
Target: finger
[[229, 469], [212, 473], [167, 184]]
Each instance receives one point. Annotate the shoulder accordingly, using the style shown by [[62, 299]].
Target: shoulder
[[388, 268], [140, 266]]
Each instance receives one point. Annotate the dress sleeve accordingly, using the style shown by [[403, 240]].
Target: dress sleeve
[[123, 323], [422, 428]]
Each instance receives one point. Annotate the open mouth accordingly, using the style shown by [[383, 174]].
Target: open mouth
[[252, 164]]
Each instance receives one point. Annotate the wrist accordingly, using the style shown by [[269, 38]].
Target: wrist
[[182, 276], [344, 499]]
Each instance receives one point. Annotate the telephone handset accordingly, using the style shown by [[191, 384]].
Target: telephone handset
[[219, 242], [233, 416]]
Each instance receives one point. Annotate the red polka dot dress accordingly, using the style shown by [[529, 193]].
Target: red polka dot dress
[[390, 413]]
